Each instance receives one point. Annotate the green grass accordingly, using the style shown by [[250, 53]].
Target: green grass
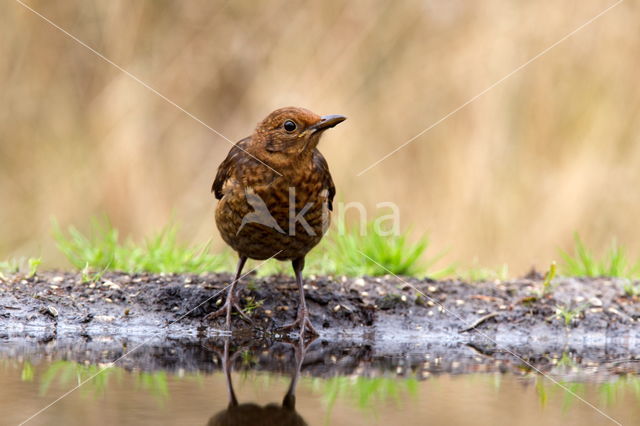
[[343, 251], [104, 250], [347, 253], [569, 315], [584, 263], [631, 288], [22, 265], [548, 284], [477, 273], [353, 254]]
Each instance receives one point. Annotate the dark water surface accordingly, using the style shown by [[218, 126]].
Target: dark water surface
[[316, 383]]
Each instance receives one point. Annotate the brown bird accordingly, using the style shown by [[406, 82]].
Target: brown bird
[[275, 193], [254, 414]]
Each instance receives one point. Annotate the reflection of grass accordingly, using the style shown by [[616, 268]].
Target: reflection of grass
[[103, 250], [154, 383], [584, 263], [64, 372], [364, 391], [98, 378], [610, 392], [27, 372], [69, 373]]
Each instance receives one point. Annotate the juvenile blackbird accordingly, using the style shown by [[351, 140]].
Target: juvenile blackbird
[[252, 413], [275, 193]]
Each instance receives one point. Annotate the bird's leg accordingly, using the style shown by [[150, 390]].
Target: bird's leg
[[300, 350], [227, 366], [232, 299], [303, 320]]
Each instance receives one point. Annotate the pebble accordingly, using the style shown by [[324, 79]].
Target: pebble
[[359, 282], [594, 301], [111, 285], [459, 302], [432, 288], [57, 279], [104, 318]]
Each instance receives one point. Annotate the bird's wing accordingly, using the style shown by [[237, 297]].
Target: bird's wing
[[227, 167], [327, 181]]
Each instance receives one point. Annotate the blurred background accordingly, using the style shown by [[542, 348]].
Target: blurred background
[[550, 151]]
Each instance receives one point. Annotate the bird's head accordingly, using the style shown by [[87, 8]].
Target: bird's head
[[292, 131]]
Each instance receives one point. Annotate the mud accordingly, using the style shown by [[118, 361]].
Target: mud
[[382, 322]]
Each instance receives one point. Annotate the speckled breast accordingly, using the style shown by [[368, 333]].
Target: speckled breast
[[283, 219]]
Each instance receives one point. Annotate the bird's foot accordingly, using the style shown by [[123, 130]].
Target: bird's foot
[[303, 323], [226, 309]]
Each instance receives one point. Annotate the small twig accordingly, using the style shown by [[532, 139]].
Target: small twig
[[479, 321]]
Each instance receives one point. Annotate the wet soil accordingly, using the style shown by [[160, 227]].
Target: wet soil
[[386, 322]]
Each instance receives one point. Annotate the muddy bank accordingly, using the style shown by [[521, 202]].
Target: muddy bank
[[581, 313]]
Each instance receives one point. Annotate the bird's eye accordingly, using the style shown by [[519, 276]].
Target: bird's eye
[[289, 125]]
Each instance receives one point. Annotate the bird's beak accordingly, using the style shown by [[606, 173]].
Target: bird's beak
[[327, 122]]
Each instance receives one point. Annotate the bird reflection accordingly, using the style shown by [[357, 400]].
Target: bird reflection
[[253, 414]]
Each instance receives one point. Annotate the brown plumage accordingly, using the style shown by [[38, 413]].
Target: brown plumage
[[275, 193]]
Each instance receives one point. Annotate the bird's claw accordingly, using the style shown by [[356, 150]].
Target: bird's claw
[[228, 306], [303, 322]]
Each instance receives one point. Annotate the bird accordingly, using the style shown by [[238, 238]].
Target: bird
[[275, 194], [251, 413]]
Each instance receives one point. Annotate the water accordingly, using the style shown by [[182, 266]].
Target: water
[[185, 383]]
